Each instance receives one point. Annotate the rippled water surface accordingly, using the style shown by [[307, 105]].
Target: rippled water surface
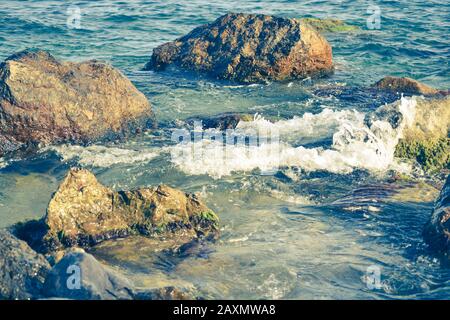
[[312, 229]]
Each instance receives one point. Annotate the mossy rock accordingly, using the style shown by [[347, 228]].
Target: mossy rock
[[209, 217], [329, 25], [427, 139], [83, 212], [432, 155]]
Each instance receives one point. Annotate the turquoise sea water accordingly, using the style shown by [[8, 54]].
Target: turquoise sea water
[[296, 234]]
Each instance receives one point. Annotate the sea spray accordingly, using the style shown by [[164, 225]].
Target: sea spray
[[101, 156], [267, 146], [309, 126]]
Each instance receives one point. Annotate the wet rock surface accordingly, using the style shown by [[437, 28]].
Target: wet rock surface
[[437, 230], [166, 293], [83, 212], [248, 48], [80, 276], [358, 95], [406, 86], [222, 121], [44, 101], [427, 140], [22, 271]]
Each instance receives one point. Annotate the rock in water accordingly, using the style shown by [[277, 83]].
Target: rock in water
[[406, 86], [427, 140], [22, 271], [248, 48], [80, 276], [437, 231], [223, 121], [84, 212], [43, 101], [167, 293]]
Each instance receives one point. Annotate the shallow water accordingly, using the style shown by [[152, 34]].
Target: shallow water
[[300, 232]]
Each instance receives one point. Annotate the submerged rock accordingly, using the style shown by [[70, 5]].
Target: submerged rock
[[80, 276], [84, 212], [437, 230], [329, 25], [22, 270], [221, 121], [427, 140], [406, 86], [360, 97], [44, 101], [167, 293], [248, 48]]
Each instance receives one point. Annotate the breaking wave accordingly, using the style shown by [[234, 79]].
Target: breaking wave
[[3, 163], [356, 144]]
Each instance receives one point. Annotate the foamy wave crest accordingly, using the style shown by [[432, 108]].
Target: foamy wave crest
[[319, 126], [357, 144], [102, 156], [3, 163]]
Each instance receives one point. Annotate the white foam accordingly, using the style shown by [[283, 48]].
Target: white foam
[[102, 156], [320, 125], [355, 145], [3, 163]]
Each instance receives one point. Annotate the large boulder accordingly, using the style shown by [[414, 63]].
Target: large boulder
[[78, 275], [437, 230], [84, 212], [43, 101], [427, 139], [22, 270], [406, 86], [248, 48]]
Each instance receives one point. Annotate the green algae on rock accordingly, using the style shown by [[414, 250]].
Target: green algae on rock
[[84, 212], [432, 155], [45, 101], [248, 48], [329, 25], [427, 140]]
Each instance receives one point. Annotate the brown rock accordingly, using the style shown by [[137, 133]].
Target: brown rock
[[248, 48], [43, 101], [84, 212], [406, 85]]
